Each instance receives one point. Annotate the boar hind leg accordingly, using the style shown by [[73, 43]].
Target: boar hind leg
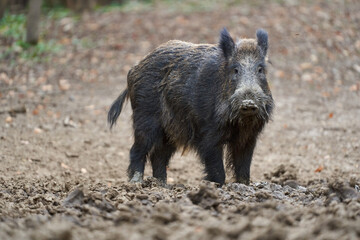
[[144, 140], [159, 158], [137, 162]]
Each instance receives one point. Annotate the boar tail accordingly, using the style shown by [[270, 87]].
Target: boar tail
[[116, 107]]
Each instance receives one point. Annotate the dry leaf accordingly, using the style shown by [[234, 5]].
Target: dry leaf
[[331, 115], [326, 94], [24, 142], [35, 111], [280, 74], [355, 87], [305, 65], [47, 88], [319, 169], [64, 84], [63, 165]]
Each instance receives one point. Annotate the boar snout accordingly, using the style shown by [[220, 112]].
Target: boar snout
[[248, 107]]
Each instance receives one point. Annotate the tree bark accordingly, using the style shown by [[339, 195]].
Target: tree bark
[[33, 21], [2, 8]]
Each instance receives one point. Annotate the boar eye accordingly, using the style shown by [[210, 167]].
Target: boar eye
[[261, 70]]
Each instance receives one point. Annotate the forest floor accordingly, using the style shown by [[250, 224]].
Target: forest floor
[[63, 173]]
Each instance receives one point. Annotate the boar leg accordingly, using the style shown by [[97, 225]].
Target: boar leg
[[159, 158], [212, 157], [240, 160], [145, 135]]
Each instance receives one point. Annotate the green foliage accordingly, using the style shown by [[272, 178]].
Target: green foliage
[[12, 26], [13, 32], [38, 53]]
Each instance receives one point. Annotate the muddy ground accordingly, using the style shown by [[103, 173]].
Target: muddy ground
[[63, 171]]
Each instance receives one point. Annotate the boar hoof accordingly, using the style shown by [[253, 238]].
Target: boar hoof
[[245, 181], [137, 177]]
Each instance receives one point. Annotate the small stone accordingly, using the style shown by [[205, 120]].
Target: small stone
[[302, 189], [142, 196], [356, 68], [170, 180], [38, 130], [291, 183], [8, 119], [306, 77]]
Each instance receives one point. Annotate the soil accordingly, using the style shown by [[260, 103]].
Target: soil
[[63, 173]]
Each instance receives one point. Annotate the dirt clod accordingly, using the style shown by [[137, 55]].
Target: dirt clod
[[206, 197]]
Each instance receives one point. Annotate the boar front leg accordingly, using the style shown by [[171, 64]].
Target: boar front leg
[[212, 157], [239, 159]]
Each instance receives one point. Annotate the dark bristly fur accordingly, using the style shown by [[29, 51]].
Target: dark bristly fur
[[203, 96]]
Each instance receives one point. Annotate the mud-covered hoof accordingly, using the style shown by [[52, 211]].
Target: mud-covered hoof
[[137, 177], [162, 183], [245, 181]]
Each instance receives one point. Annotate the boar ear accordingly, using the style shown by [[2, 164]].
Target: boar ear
[[262, 40], [226, 43]]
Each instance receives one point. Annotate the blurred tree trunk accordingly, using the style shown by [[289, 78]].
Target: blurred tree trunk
[[33, 21], [2, 8]]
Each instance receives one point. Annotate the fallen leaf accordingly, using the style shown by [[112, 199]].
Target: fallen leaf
[[319, 169], [25, 142], [90, 107], [355, 87], [325, 94], [63, 165], [331, 115], [47, 88], [35, 111], [64, 84], [65, 41], [357, 44], [305, 65], [336, 90], [280, 74]]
